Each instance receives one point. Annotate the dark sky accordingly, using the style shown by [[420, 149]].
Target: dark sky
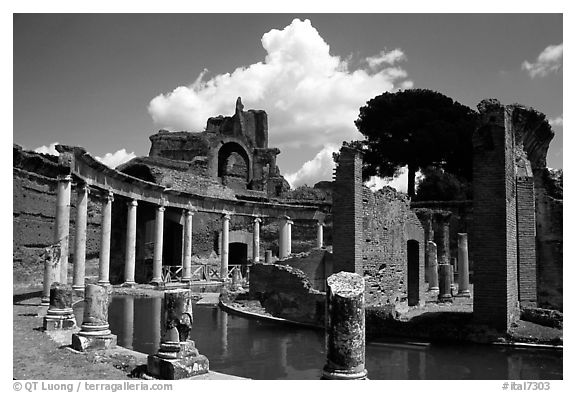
[[87, 80]]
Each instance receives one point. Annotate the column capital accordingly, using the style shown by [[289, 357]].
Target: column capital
[[108, 196], [284, 217], [64, 178], [189, 212], [226, 216], [257, 220], [83, 187], [132, 202], [320, 224], [290, 222], [163, 201], [160, 208]]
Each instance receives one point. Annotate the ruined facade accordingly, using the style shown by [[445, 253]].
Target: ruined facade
[[510, 149], [232, 152]]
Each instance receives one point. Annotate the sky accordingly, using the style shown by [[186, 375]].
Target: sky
[[107, 82]]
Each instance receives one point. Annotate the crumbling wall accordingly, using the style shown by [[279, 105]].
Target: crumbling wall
[[286, 292], [388, 225], [315, 264]]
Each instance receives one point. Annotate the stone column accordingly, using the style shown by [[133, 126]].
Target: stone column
[[268, 256], [80, 239], [51, 257], [177, 357], [444, 240], [130, 261], [223, 332], [256, 241], [289, 224], [224, 247], [158, 246], [60, 314], [62, 225], [105, 230], [283, 237], [445, 273], [345, 327], [94, 333], [319, 234], [432, 252], [453, 270], [187, 259], [463, 267]]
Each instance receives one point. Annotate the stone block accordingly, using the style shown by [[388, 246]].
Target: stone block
[[188, 363], [92, 343]]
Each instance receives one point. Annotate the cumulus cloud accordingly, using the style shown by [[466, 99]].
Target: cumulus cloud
[[557, 121], [384, 58], [312, 97], [314, 170], [114, 159], [550, 60], [50, 149]]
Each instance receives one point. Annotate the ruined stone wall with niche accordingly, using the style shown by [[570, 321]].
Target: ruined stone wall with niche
[[388, 225]]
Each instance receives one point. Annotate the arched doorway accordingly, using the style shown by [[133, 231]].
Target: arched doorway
[[234, 166], [238, 253], [413, 268]]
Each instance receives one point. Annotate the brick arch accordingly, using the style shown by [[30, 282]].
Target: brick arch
[[228, 149]]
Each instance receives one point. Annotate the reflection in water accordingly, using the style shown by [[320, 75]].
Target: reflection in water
[[263, 350]]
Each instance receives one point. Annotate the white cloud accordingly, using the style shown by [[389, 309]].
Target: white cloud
[[550, 60], [557, 121], [400, 183], [319, 168], [384, 57], [114, 159], [51, 149], [311, 96]]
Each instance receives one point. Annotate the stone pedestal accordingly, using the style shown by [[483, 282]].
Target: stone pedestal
[[60, 315], [463, 267], [432, 266], [345, 327], [177, 357], [268, 256], [94, 333], [445, 273]]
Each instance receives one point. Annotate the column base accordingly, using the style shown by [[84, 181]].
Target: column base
[[343, 374], [91, 343], [434, 288], [128, 284], [445, 299], [59, 322], [104, 283], [158, 283], [464, 293], [178, 365]]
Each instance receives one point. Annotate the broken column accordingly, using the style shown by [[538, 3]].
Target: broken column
[[94, 332], [432, 252], [60, 314], [445, 280], [345, 327], [463, 268], [130, 258], [80, 239], [224, 249], [177, 357], [256, 241]]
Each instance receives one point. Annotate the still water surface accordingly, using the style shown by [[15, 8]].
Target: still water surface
[[264, 350]]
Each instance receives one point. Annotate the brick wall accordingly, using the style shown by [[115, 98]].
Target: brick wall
[[388, 226], [496, 287], [316, 264], [526, 222], [347, 207]]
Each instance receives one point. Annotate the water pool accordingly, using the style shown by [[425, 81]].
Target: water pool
[[266, 350]]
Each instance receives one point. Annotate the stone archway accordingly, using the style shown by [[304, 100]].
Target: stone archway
[[234, 169]]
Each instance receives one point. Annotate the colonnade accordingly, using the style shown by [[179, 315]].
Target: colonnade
[[59, 272]]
